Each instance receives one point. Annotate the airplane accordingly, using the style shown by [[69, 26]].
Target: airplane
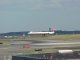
[[51, 31], [41, 32]]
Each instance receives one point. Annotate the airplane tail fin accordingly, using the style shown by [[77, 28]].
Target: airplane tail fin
[[52, 29]]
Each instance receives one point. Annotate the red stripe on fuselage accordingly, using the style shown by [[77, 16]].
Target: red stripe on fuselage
[[39, 33]]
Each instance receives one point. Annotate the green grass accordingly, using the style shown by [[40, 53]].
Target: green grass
[[67, 37], [33, 51], [56, 37], [52, 37], [45, 51], [5, 42]]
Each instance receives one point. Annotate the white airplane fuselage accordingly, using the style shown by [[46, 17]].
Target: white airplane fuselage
[[41, 33]]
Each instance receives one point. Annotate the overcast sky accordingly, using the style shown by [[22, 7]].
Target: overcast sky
[[39, 15]]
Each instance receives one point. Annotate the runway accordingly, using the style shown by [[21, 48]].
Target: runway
[[45, 44]]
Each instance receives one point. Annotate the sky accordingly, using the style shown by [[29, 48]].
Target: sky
[[39, 15]]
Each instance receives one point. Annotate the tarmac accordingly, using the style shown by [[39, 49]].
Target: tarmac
[[8, 50]]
